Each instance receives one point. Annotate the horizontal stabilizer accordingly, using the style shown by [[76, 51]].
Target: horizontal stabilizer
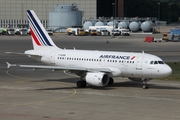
[[11, 65], [15, 53]]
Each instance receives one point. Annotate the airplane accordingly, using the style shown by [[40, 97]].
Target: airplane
[[95, 68]]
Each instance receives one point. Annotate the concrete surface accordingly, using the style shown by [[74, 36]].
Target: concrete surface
[[45, 95]]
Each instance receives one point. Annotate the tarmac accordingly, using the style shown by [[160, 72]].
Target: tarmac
[[52, 95]]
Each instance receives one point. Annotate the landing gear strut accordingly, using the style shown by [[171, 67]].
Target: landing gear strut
[[81, 84], [145, 85]]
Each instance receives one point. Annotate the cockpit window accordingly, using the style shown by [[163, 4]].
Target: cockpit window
[[156, 62], [160, 62]]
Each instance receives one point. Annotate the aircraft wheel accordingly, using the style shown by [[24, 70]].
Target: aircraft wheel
[[81, 84], [145, 86]]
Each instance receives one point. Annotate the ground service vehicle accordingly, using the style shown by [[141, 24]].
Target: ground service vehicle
[[10, 31], [123, 31], [23, 31], [102, 32], [50, 31], [114, 32], [3, 31], [75, 31], [92, 32]]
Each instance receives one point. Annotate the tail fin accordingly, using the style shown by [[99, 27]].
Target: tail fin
[[39, 35]]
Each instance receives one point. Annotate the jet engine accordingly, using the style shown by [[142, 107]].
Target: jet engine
[[97, 79]]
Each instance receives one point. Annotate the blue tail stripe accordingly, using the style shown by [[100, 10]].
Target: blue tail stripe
[[38, 27], [38, 35], [37, 32]]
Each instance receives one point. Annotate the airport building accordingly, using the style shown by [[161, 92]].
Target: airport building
[[13, 12]]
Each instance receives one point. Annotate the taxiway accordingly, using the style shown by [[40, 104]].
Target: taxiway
[[47, 95]]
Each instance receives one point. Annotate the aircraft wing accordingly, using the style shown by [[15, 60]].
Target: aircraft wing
[[59, 68]]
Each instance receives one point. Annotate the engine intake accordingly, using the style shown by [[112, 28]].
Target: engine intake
[[97, 79]]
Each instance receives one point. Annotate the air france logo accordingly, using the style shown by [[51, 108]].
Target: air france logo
[[117, 57]]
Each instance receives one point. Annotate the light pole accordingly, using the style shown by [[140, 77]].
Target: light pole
[[22, 14], [159, 11], [113, 4]]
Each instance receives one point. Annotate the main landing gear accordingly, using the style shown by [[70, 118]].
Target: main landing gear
[[81, 84], [144, 82]]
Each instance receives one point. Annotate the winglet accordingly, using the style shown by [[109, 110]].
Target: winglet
[[10, 65]]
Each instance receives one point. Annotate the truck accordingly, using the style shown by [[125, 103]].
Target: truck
[[102, 30], [10, 31], [50, 31], [92, 32], [115, 32], [75, 31], [123, 31], [3, 31], [21, 31]]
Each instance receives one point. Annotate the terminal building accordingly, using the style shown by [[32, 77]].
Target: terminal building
[[13, 12]]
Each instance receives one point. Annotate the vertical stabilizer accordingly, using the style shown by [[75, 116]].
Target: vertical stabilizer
[[39, 35]]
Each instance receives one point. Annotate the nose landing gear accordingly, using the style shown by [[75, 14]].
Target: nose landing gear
[[144, 82]]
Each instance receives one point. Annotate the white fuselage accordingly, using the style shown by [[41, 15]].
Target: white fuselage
[[125, 64]]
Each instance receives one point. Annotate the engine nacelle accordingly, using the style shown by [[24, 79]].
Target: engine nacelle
[[97, 79]]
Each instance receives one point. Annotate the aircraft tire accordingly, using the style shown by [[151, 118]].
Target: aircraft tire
[[145, 86], [81, 84]]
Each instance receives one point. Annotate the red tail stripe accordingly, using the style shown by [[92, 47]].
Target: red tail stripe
[[35, 38], [132, 57]]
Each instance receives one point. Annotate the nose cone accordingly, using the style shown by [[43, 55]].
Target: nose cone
[[167, 71], [163, 70]]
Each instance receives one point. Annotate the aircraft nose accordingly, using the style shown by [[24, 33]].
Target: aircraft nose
[[167, 70]]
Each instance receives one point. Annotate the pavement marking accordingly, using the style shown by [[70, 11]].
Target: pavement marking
[[46, 101], [29, 116], [36, 102], [22, 81]]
